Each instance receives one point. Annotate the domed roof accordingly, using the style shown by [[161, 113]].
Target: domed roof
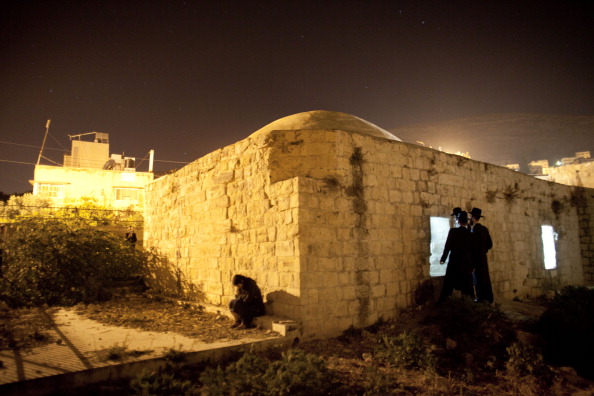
[[326, 120]]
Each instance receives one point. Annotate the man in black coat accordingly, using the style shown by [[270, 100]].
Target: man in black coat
[[481, 243], [459, 271], [248, 302]]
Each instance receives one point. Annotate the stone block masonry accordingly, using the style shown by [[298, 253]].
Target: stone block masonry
[[334, 224]]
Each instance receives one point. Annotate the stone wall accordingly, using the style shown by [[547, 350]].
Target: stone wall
[[335, 225], [581, 175], [221, 216]]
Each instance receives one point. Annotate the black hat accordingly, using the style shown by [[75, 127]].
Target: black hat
[[476, 213], [456, 212], [463, 218], [237, 279]]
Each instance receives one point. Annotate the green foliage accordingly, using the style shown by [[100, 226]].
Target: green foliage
[[57, 263], [296, 373], [380, 384], [406, 350], [525, 360], [567, 327], [86, 209], [160, 383]]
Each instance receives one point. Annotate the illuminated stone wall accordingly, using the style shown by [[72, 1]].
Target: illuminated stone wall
[[335, 225], [573, 175]]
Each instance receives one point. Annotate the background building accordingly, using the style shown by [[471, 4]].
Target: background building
[[90, 172]]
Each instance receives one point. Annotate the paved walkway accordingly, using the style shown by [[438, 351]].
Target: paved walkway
[[83, 344]]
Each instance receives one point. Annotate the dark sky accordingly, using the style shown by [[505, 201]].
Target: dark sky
[[187, 77]]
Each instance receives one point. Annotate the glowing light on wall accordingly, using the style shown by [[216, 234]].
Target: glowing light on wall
[[440, 226], [548, 246]]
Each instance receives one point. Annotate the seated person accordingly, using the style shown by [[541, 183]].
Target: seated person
[[248, 302]]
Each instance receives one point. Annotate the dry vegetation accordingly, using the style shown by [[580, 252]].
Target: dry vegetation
[[356, 362]]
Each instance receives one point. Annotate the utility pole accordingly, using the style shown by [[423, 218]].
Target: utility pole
[[47, 124]]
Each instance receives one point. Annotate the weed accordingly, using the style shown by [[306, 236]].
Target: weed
[[296, 373], [174, 355], [557, 207], [490, 196], [332, 182], [158, 383], [121, 352], [357, 157], [525, 360], [406, 350]]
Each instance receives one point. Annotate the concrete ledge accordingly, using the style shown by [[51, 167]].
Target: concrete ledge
[[66, 384]]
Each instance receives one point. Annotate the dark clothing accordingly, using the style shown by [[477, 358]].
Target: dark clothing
[[459, 272], [131, 237], [481, 243], [248, 302]]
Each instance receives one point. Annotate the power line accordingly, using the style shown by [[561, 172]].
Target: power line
[[28, 145], [17, 162]]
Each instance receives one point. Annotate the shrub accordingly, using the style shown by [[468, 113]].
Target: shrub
[[567, 327], [159, 383], [406, 350], [241, 377], [296, 373], [62, 263], [525, 360]]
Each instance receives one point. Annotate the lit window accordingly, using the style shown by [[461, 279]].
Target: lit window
[[126, 194], [440, 227], [51, 190], [548, 246]]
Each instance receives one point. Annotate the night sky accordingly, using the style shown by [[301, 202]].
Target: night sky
[[187, 77]]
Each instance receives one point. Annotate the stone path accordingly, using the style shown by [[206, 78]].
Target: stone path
[[83, 344]]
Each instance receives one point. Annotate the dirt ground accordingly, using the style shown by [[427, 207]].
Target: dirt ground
[[350, 356]]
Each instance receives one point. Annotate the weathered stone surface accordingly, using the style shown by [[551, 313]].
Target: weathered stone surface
[[334, 224]]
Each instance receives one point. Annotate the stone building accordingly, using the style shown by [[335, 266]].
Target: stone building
[[332, 216], [90, 172]]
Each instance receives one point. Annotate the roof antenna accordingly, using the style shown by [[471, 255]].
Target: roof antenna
[[47, 124]]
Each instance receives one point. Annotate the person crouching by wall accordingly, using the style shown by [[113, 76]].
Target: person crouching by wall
[[248, 302]]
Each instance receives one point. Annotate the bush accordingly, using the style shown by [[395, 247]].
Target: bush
[[406, 350], [62, 263], [567, 327], [160, 383], [296, 373], [525, 360]]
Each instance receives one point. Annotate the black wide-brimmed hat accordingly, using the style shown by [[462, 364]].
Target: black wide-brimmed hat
[[456, 212], [476, 213]]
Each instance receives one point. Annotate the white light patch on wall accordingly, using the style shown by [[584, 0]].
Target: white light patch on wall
[[548, 246], [440, 227]]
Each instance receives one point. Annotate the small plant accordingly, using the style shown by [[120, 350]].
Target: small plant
[[406, 350], [157, 383], [173, 355], [296, 373], [380, 384], [332, 182], [241, 377], [491, 195], [525, 360], [121, 353]]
